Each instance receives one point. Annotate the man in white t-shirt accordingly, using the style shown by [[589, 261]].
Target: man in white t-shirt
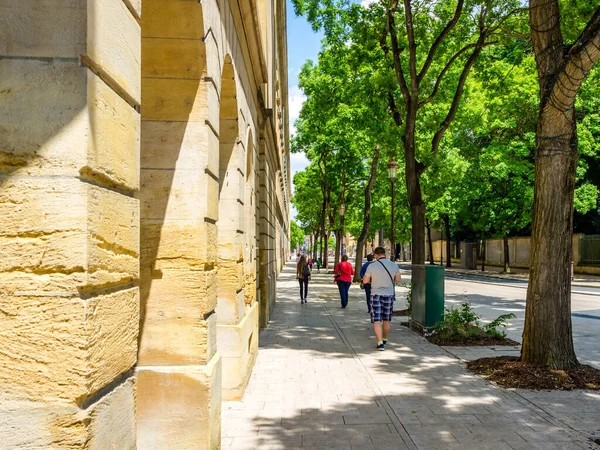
[[383, 275]]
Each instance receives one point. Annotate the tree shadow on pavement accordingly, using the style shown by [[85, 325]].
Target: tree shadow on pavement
[[319, 383]]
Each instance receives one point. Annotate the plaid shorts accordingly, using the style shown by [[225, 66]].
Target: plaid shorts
[[383, 308]]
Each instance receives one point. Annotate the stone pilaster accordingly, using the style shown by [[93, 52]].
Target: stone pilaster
[[69, 169]]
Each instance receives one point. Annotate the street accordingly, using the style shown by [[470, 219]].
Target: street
[[492, 297]]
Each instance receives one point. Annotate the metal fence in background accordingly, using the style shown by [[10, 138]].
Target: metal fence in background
[[589, 249]]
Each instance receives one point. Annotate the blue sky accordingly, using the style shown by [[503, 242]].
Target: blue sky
[[303, 43]]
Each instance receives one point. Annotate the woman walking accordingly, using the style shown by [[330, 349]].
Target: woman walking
[[344, 272], [303, 275]]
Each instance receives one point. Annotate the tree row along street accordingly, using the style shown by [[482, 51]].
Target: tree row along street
[[478, 119]]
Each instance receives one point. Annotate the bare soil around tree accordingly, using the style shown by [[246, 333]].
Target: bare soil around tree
[[481, 340], [510, 372]]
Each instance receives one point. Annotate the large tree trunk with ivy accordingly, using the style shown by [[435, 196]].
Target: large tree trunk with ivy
[[547, 336], [362, 238]]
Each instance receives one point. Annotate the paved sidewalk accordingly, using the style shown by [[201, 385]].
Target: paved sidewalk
[[319, 383]]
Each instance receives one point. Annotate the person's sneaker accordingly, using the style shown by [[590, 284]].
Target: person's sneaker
[[385, 342], [380, 347]]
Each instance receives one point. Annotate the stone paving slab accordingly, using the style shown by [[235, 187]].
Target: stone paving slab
[[319, 383]]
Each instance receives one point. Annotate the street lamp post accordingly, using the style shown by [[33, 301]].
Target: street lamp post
[[392, 173], [342, 210]]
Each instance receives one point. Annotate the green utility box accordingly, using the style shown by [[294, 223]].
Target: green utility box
[[427, 295]]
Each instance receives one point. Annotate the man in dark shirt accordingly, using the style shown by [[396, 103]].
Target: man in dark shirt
[[367, 286]]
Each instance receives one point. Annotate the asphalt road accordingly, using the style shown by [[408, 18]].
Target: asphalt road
[[492, 297]]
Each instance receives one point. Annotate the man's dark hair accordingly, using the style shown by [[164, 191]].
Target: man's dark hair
[[370, 257], [379, 251], [344, 257]]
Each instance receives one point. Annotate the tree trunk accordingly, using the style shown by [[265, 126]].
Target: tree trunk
[[338, 247], [547, 335], [483, 255], [380, 237], [362, 238], [446, 219], [326, 253], [506, 256], [403, 252], [429, 243]]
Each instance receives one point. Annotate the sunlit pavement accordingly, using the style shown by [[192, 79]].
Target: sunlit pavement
[[319, 383]]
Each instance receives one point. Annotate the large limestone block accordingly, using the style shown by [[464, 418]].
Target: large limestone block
[[177, 244], [173, 100], [212, 198], [180, 293], [173, 58], [230, 305], [230, 245], [173, 194], [214, 53], [177, 328], [229, 214], [39, 234], [172, 19], [213, 110], [231, 276], [113, 237], [112, 419], [95, 239], [61, 348], [114, 43], [239, 346], [108, 423], [170, 145], [228, 133], [114, 137], [179, 408], [43, 117], [46, 29]]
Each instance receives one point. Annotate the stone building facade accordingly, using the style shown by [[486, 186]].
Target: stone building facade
[[144, 200]]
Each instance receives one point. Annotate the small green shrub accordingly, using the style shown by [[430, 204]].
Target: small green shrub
[[408, 296], [462, 324], [491, 328]]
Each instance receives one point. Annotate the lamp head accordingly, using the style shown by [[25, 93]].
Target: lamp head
[[392, 169]]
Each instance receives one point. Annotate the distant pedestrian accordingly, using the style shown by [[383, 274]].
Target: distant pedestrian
[[318, 265], [310, 263], [303, 276], [343, 277], [366, 286], [382, 274]]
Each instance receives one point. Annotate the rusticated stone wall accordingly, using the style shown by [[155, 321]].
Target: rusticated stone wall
[[144, 192], [69, 241]]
